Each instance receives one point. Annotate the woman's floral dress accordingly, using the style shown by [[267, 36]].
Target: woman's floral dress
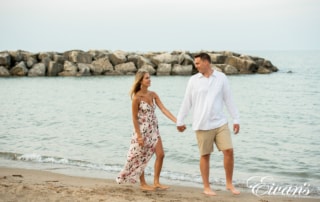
[[138, 156]]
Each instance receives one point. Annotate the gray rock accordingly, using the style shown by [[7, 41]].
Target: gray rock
[[101, 66], [182, 69], [118, 57], [217, 58], [31, 61], [79, 57], [4, 72], [84, 69], [144, 61], [54, 68], [263, 70], [43, 55], [185, 59], [244, 66], [164, 69], [19, 55], [59, 58], [5, 59], [149, 68], [69, 69], [164, 58], [126, 68], [19, 70], [97, 54], [38, 69], [230, 70]]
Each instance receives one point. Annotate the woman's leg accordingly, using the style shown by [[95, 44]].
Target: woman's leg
[[158, 165], [144, 185]]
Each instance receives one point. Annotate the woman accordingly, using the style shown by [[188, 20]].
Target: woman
[[145, 140]]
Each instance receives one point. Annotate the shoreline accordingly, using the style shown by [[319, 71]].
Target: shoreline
[[18, 184]]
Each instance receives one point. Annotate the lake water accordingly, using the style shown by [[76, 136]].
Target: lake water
[[82, 126]]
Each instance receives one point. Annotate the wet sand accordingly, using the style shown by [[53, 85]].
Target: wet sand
[[34, 185]]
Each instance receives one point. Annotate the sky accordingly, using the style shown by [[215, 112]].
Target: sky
[[159, 25]]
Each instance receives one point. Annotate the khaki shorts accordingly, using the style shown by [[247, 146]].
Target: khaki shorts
[[220, 136]]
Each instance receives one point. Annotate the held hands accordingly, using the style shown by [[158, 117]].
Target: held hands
[[181, 128]]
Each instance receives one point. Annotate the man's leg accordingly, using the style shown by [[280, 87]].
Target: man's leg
[[228, 167], [205, 170]]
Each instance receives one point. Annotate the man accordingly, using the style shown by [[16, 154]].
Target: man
[[206, 94]]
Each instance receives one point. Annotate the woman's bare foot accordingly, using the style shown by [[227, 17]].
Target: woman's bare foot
[[160, 186], [209, 192], [146, 187], [233, 190]]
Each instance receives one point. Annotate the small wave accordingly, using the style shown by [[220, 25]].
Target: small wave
[[57, 160], [181, 177]]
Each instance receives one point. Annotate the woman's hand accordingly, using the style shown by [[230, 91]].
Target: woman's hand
[[140, 141]]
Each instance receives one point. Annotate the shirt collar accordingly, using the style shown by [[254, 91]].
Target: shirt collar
[[200, 75]]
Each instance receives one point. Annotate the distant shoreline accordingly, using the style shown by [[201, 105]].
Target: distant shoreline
[[104, 62]]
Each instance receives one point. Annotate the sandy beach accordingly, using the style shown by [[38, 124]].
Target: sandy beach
[[34, 185]]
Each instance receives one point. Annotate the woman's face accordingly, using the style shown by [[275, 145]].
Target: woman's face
[[146, 81]]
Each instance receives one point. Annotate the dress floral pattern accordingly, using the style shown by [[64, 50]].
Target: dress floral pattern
[[138, 157]]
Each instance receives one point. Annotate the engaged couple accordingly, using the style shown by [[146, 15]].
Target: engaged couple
[[206, 94]]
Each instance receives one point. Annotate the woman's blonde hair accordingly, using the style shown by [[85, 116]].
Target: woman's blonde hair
[[137, 82]]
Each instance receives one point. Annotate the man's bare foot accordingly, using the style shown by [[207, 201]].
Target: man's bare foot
[[160, 186], [146, 187], [209, 192], [233, 190]]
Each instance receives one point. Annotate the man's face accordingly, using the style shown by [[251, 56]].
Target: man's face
[[201, 65]]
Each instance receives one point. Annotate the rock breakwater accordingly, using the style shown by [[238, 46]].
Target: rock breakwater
[[104, 62]]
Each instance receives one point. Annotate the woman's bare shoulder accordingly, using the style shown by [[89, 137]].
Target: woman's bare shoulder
[[153, 94], [136, 98]]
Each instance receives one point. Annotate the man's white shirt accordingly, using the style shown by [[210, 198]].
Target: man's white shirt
[[206, 98]]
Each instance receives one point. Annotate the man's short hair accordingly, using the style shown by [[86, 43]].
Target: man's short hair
[[203, 56]]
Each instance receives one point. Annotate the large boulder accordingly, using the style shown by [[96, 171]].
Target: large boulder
[[69, 69], [165, 58], [230, 70], [4, 72], [19, 55], [118, 57], [31, 61], [84, 69], [79, 57], [263, 70], [182, 69], [126, 68], [185, 59], [244, 66], [149, 68], [38, 69], [59, 58], [217, 58], [97, 54], [144, 61], [164, 69], [5, 59], [19, 70], [101, 66], [54, 68]]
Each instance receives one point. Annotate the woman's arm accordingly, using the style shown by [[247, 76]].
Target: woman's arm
[[163, 109], [135, 109]]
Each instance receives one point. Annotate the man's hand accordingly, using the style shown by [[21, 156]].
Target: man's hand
[[236, 128], [181, 128]]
